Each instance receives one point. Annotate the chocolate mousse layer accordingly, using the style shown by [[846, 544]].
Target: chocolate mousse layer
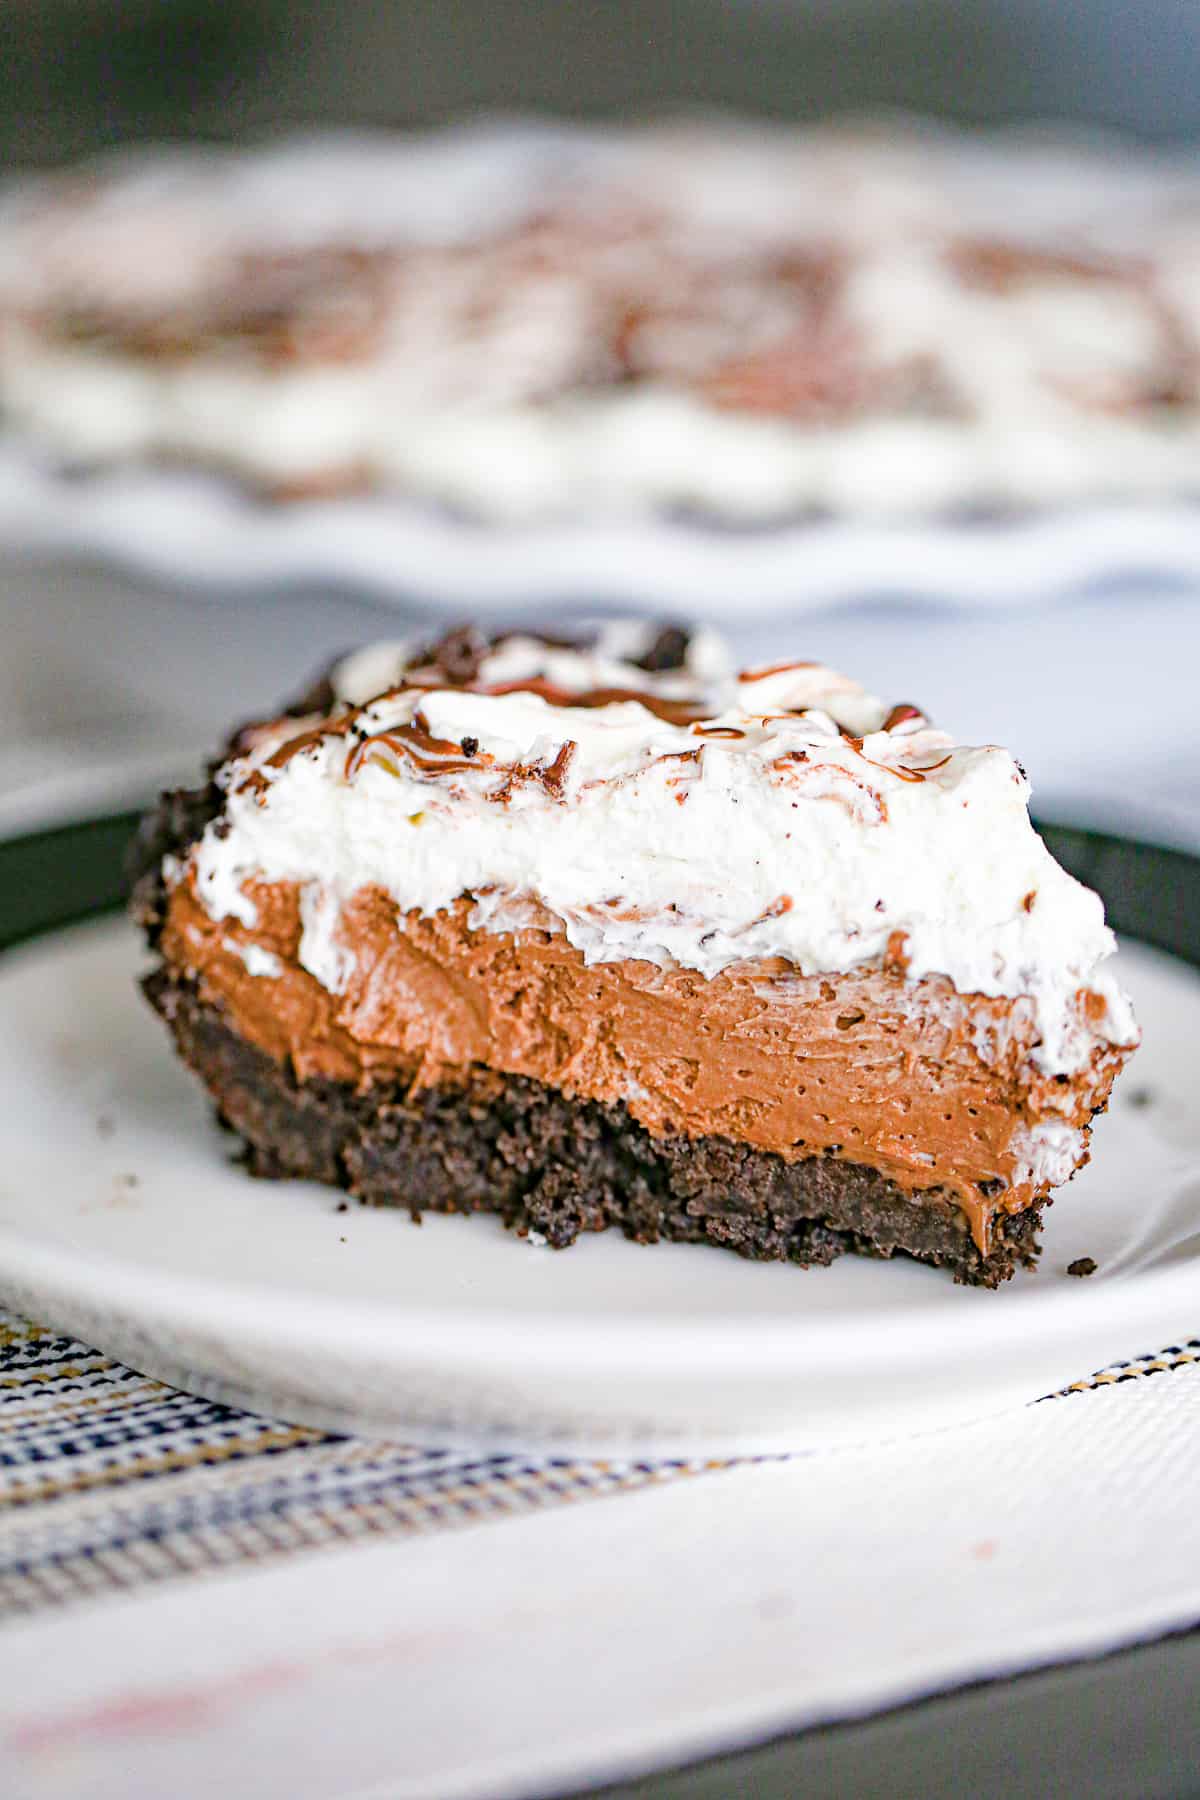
[[933, 1090]]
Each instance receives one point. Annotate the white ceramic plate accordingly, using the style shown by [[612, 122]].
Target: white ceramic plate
[[202, 531], [124, 1221]]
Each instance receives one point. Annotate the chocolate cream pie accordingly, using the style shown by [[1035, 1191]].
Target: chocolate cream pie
[[606, 934]]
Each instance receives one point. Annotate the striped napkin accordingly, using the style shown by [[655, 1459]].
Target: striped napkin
[[196, 1599]]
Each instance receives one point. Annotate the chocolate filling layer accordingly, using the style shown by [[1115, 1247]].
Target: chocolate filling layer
[[929, 1088], [545, 1163]]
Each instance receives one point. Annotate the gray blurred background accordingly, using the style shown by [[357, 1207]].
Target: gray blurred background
[[83, 74], [98, 668]]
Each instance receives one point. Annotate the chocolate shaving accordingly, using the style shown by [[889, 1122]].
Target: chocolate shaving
[[554, 778], [899, 715], [256, 783], [667, 651], [550, 776], [900, 772]]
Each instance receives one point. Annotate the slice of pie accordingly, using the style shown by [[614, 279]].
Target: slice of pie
[[605, 934]]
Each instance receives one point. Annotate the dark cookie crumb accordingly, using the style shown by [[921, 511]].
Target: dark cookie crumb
[[1083, 1265], [1140, 1098]]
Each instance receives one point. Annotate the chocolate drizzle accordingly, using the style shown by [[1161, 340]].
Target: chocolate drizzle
[[457, 660], [431, 755], [998, 266], [896, 769], [310, 740], [671, 712], [898, 716], [779, 668]]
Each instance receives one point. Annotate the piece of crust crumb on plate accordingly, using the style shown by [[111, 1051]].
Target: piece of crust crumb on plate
[[605, 933]]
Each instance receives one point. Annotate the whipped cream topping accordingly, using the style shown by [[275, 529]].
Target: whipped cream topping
[[693, 819]]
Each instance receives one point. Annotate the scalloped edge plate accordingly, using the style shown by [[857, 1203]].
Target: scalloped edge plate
[[203, 531]]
